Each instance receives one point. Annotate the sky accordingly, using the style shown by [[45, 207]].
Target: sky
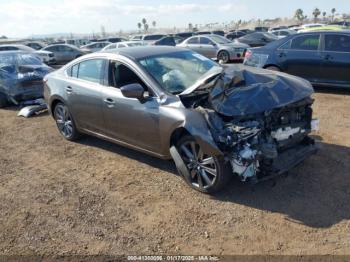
[[23, 18]]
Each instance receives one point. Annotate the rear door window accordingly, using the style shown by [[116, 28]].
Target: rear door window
[[337, 43], [90, 70], [306, 42], [194, 40], [205, 41]]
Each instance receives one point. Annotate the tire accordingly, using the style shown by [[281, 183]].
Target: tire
[[65, 122], [223, 56], [3, 100], [273, 68], [206, 174]]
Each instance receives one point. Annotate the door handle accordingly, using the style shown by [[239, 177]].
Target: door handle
[[69, 89], [110, 102]]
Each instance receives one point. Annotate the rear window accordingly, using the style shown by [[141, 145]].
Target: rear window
[[306, 42], [337, 43]]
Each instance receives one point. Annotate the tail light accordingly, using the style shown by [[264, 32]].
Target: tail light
[[248, 53]]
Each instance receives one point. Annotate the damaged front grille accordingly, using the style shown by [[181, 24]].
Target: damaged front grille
[[252, 144]]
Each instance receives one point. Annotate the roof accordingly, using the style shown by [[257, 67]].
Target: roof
[[139, 52]]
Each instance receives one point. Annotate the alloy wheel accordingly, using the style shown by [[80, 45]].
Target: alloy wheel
[[64, 121], [202, 168]]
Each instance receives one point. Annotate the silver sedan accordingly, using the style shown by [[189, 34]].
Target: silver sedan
[[216, 47]]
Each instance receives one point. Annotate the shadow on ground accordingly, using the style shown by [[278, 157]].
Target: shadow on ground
[[316, 193]]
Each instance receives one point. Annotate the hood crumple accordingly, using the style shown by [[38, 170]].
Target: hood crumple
[[245, 90]]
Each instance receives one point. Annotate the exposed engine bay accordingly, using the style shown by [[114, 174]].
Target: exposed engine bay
[[262, 144]]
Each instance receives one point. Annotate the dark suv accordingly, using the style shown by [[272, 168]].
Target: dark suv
[[321, 57]]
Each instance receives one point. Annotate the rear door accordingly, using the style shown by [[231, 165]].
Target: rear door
[[335, 55], [207, 47], [193, 44], [301, 56], [83, 92]]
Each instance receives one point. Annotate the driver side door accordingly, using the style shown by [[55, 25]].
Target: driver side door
[[129, 120]]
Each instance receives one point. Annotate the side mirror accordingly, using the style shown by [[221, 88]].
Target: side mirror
[[133, 91]]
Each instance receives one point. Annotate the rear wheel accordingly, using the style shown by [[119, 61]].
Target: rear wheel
[[224, 56], [273, 68], [206, 173], [3, 100], [65, 122]]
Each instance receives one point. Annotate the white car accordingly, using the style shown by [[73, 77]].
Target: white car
[[46, 56], [123, 44], [281, 33]]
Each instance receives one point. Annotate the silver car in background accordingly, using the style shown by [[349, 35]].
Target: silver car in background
[[216, 47], [64, 52], [94, 47], [123, 45]]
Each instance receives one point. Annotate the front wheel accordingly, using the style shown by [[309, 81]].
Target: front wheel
[[65, 123], [206, 173]]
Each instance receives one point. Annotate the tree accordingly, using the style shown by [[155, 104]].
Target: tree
[[324, 15], [333, 13], [299, 15], [316, 13], [154, 23], [146, 27], [139, 25]]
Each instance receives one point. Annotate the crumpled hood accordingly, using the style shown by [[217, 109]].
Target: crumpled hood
[[245, 90]]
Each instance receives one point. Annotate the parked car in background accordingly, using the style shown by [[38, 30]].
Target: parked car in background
[[94, 47], [168, 40], [322, 57], [21, 75], [235, 34], [261, 29], [202, 33], [123, 45], [216, 47], [36, 45], [64, 53], [184, 35], [173, 103], [218, 32], [77, 42], [112, 39], [257, 39], [149, 38], [271, 29], [281, 33], [46, 56]]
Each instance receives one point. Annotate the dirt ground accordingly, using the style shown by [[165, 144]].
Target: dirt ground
[[94, 197]]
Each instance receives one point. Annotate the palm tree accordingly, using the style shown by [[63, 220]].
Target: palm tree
[[154, 23], [324, 15], [299, 15], [333, 13], [139, 25], [316, 13], [146, 27]]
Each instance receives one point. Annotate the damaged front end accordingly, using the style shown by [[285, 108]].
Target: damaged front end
[[260, 120]]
